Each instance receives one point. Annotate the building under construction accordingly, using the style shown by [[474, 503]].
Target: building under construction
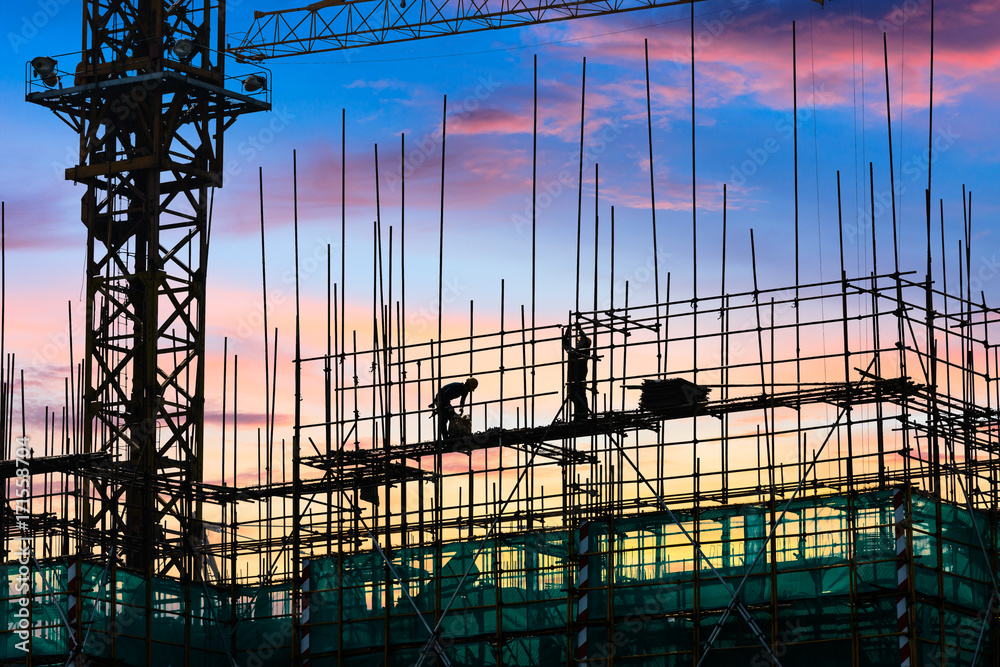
[[765, 475], [837, 505]]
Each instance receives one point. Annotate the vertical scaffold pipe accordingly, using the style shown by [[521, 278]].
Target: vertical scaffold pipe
[[902, 576], [582, 586]]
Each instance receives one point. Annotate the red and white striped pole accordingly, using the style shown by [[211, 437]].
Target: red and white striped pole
[[582, 585], [304, 623], [902, 576]]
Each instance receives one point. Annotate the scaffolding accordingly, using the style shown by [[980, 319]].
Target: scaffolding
[[773, 475], [716, 460]]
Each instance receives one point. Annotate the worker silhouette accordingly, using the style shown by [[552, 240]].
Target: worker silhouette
[[442, 403], [576, 371]]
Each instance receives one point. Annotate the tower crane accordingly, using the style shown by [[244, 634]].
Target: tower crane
[[149, 98]]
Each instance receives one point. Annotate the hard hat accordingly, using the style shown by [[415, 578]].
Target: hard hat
[[472, 383], [583, 341]]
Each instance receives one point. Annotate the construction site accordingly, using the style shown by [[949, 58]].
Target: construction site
[[763, 474]]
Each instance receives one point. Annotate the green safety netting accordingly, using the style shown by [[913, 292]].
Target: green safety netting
[[47, 605], [651, 600], [115, 625]]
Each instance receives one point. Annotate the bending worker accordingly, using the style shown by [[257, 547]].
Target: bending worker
[[576, 372], [442, 403]]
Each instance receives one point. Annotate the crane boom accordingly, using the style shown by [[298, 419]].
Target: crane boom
[[335, 25]]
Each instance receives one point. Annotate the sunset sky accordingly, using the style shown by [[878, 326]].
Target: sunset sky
[[743, 127]]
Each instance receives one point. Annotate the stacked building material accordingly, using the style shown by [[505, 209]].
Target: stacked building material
[[671, 393]]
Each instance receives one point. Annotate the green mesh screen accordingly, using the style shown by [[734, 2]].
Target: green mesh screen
[[513, 599], [651, 601], [45, 590]]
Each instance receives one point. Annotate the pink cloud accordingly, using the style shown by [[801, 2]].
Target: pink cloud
[[489, 121], [750, 56], [671, 195], [379, 84]]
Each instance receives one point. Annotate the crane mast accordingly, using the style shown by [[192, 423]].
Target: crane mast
[[147, 95]]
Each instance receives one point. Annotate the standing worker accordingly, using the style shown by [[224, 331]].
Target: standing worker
[[576, 372], [442, 403]]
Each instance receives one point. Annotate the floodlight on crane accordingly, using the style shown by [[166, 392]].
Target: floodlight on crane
[[254, 82], [45, 69], [183, 49]]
